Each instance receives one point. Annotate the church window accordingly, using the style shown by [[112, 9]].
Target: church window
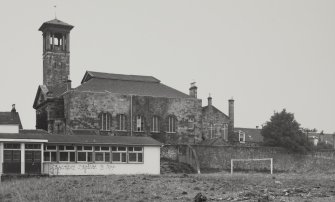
[[241, 135], [225, 131], [105, 121], [171, 124], [139, 123], [121, 118], [211, 131], [154, 127]]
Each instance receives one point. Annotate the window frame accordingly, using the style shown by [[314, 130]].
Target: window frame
[[86, 151], [141, 128], [155, 124], [239, 136], [132, 151], [171, 124], [68, 151], [105, 121], [121, 125], [120, 152], [46, 150], [104, 152]]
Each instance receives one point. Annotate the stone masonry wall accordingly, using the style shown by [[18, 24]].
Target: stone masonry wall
[[218, 119], [218, 158], [56, 68], [82, 111]]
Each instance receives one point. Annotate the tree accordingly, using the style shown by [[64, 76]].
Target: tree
[[284, 131]]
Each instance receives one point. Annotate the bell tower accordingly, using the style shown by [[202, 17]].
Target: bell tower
[[56, 52]]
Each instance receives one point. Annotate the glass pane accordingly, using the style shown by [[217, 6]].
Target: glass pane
[[69, 147], [105, 148], [81, 156], [113, 148], [72, 156], [61, 147], [46, 156], [79, 148], [89, 148], [53, 156], [29, 146], [97, 148], [63, 156], [140, 157], [124, 157], [130, 148], [132, 157], [17, 156], [29, 156], [37, 156], [107, 155], [121, 149], [99, 156], [51, 147], [116, 157], [138, 148], [8, 155], [89, 156]]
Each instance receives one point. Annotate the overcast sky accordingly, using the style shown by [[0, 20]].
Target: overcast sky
[[267, 55]]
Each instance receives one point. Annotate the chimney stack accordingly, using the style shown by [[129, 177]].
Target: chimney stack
[[209, 100], [193, 90], [231, 115], [68, 85], [13, 111]]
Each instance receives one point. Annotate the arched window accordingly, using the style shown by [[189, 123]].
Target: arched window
[[155, 124], [211, 131], [139, 123], [171, 124], [105, 121], [121, 122], [225, 131]]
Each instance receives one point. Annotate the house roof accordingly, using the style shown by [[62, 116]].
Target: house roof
[[251, 134], [102, 75], [55, 22], [10, 118], [81, 139], [127, 85], [50, 92]]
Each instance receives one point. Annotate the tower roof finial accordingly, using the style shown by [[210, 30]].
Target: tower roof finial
[[55, 6]]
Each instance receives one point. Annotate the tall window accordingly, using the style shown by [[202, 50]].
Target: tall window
[[105, 121], [154, 126], [139, 123], [121, 118], [241, 135], [211, 131], [225, 131], [191, 123], [171, 124]]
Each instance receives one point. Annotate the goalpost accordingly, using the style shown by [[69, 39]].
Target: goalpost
[[265, 159]]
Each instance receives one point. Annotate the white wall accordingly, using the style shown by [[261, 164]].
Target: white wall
[[9, 128], [151, 165]]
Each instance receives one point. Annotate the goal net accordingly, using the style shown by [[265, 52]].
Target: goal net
[[265, 164]]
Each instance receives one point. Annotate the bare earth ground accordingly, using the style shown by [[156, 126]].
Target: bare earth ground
[[174, 187]]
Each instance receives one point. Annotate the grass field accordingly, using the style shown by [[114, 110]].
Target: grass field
[[174, 187]]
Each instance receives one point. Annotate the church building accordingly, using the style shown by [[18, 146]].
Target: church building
[[108, 104]]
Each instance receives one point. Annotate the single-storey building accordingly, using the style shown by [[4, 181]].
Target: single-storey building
[[37, 152]]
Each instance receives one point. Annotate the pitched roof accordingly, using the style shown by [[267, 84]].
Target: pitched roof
[[10, 118], [55, 22], [215, 110], [90, 74], [128, 85], [251, 134], [83, 139], [49, 92], [85, 132]]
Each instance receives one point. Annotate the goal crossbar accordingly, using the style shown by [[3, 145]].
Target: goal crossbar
[[264, 159]]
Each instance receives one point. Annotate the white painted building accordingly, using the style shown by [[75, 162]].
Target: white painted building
[[37, 152]]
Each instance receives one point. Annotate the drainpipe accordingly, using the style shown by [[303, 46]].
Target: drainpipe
[[131, 115]]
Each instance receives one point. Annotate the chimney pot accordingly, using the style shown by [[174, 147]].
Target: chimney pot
[[193, 90], [209, 100]]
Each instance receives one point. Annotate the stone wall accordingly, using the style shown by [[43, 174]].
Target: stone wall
[[212, 117], [218, 158], [56, 68], [82, 111]]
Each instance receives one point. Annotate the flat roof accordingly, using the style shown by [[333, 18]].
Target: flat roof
[[82, 139]]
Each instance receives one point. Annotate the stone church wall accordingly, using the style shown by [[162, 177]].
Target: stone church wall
[[218, 119], [82, 111]]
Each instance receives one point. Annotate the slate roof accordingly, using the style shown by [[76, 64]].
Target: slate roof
[[55, 22], [127, 85], [8, 118], [251, 134], [84, 139], [85, 132]]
